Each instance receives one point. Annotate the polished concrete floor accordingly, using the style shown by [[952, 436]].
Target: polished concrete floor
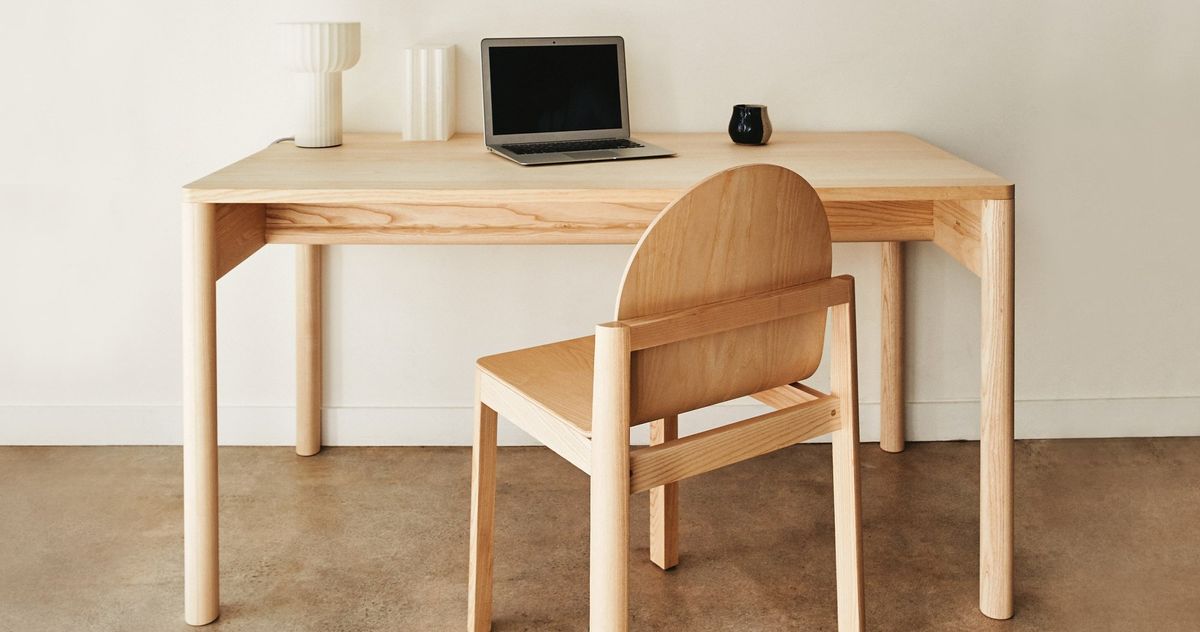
[[376, 539]]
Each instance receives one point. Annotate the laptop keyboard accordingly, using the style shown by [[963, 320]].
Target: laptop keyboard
[[571, 145]]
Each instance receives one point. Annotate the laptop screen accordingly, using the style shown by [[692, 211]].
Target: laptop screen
[[538, 89]]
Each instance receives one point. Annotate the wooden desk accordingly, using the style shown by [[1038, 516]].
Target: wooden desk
[[884, 187]]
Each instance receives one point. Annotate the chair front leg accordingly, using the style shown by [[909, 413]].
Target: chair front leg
[[609, 605], [483, 509]]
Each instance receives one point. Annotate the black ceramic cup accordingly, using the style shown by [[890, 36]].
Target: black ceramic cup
[[749, 125]]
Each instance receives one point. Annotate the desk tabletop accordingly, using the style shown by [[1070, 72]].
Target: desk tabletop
[[842, 166]]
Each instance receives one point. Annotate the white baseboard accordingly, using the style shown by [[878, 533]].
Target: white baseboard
[[451, 425]]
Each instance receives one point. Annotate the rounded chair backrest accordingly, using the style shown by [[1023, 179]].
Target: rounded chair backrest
[[742, 231]]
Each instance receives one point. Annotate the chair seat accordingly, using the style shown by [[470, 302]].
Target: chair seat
[[557, 377]]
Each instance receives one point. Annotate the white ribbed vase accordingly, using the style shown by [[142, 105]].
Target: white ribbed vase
[[321, 51], [428, 112]]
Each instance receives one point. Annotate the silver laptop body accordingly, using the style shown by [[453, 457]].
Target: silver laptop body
[[550, 100]]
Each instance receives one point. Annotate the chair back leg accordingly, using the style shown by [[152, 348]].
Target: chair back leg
[[483, 509], [664, 504], [847, 505]]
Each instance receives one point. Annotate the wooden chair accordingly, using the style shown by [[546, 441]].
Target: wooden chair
[[725, 296]]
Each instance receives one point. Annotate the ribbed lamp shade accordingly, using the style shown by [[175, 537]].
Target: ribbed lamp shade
[[320, 51]]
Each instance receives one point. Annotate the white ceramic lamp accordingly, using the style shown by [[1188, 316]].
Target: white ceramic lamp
[[320, 51]]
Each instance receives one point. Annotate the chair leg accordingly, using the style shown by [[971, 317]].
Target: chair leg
[[664, 504], [609, 605], [847, 525], [483, 510], [847, 504], [609, 600]]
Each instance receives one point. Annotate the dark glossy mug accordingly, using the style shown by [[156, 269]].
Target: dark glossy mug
[[750, 125]]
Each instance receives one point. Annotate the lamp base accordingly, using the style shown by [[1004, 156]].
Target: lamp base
[[320, 112]]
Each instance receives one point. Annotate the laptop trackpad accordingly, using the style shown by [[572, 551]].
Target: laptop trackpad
[[592, 155]]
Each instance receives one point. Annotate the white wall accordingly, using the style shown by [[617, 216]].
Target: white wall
[[1092, 108]]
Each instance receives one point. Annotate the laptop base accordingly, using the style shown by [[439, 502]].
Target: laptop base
[[555, 158]]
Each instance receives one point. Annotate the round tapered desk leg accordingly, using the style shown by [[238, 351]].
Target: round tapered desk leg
[[891, 408], [200, 550], [996, 423], [308, 349]]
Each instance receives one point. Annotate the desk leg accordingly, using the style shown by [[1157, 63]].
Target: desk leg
[[308, 350], [200, 541], [996, 424], [891, 406]]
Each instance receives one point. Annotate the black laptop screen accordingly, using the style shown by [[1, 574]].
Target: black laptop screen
[[554, 88]]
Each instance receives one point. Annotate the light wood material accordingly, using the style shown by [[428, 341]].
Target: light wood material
[[557, 376], [308, 350], [996, 432], [756, 309], [200, 541], [664, 503], [240, 232], [891, 398], [380, 168], [376, 189], [483, 510], [875, 220], [539, 420], [609, 606], [733, 443], [788, 395], [553, 220], [689, 257], [565, 219], [875, 186], [847, 510], [543, 389], [956, 229]]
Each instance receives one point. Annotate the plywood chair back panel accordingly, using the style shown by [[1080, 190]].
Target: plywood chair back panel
[[742, 231]]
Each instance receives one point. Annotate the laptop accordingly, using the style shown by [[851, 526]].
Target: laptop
[[549, 100]]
